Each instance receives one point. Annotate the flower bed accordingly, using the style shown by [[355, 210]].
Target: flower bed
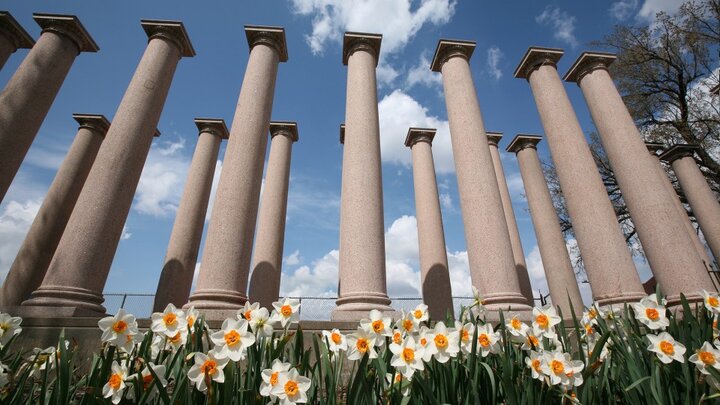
[[637, 353]]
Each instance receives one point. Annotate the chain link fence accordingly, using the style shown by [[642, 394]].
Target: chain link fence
[[311, 308]]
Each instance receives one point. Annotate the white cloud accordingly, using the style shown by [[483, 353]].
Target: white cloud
[[421, 74], [125, 235], [537, 271], [15, 220], [48, 154], [494, 54], [320, 280], [398, 112], [293, 259], [459, 268], [446, 201], [562, 23], [386, 74], [161, 183], [651, 7], [516, 187], [622, 9], [393, 18], [213, 189]]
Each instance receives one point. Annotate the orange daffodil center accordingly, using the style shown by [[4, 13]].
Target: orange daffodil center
[[516, 324], [286, 310], [557, 367], [274, 378], [362, 345], [120, 326], [378, 326], [170, 319], [652, 314], [536, 365], [408, 355], [232, 338], [465, 335], [408, 324], [418, 314], [667, 347], [291, 388], [441, 341], [713, 301], [209, 367], [707, 358], [115, 381], [484, 340], [542, 320], [397, 338], [147, 380], [336, 338]]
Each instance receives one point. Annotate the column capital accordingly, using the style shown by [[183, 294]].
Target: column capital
[[173, 31], [654, 147], [215, 126], [271, 36], [522, 141], [342, 134], [10, 28], [493, 137], [535, 57], [354, 41], [415, 135], [677, 152], [94, 122], [586, 63], [68, 26], [448, 48], [287, 128]]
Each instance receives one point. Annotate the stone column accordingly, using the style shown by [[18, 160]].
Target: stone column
[[490, 253], [33, 258], [76, 277], [363, 286], [702, 200], [268, 252], [518, 254], [12, 37], [653, 213], [559, 270], [225, 265], [179, 265], [653, 148], [28, 95], [435, 277], [607, 260]]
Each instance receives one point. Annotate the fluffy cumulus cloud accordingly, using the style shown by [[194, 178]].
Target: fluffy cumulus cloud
[[623, 9], [651, 7], [494, 55], [562, 23], [398, 112], [293, 259], [320, 279], [15, 220], [397, 20], [161, 183], [422, 75], [537, 271]]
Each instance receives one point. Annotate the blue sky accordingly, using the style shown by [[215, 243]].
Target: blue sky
[[310, 89]]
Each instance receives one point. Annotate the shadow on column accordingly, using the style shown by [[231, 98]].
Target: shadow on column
[[436, 292], [174, 273], [265, 283]]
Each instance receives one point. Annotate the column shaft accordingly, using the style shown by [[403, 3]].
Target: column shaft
[[27, 98], [225, 265], [179, 265], [702, 200], [362, 230], [559, 270], [515, 242], [76, 278], [33, 258], [607, 260], [435, 278], [655, 218]]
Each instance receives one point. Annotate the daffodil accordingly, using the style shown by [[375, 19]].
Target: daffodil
[[591, 315], [360, 343], [562, 369], [115, 386], [233, 339], [291, 388], [260, 322], [651, 313], [286, 312], [478, 305], [444, 343], [397, 336], [711, 301], [516, 327], [423, 339], [247, 310], [398, 382], [544, 321], [191, 315], [207, 366], [169, 322], [666, 348], [378, 325], [407, 322], [466, 337], [535, 362], [488, 340], [145, 377], [531, 342], [41, 360], [9, 327], [407, 357], [271, 377], [336, 340], [116, 328], [420, 314], [706, 357]]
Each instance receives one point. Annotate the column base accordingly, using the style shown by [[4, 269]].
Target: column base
[[619, 299], [217, 304], [63, 301], [356, 306]]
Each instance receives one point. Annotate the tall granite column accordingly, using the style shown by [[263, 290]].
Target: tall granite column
[[559, 270], [434, 274], [76, 277], [33, 258], [653, 148], [363, 286], [653, 213], [268, 253], [12, 37], [607, 260], [179, 264], [492, 266], [697, 192], [225, 265], [518, 254], [28, 95]]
